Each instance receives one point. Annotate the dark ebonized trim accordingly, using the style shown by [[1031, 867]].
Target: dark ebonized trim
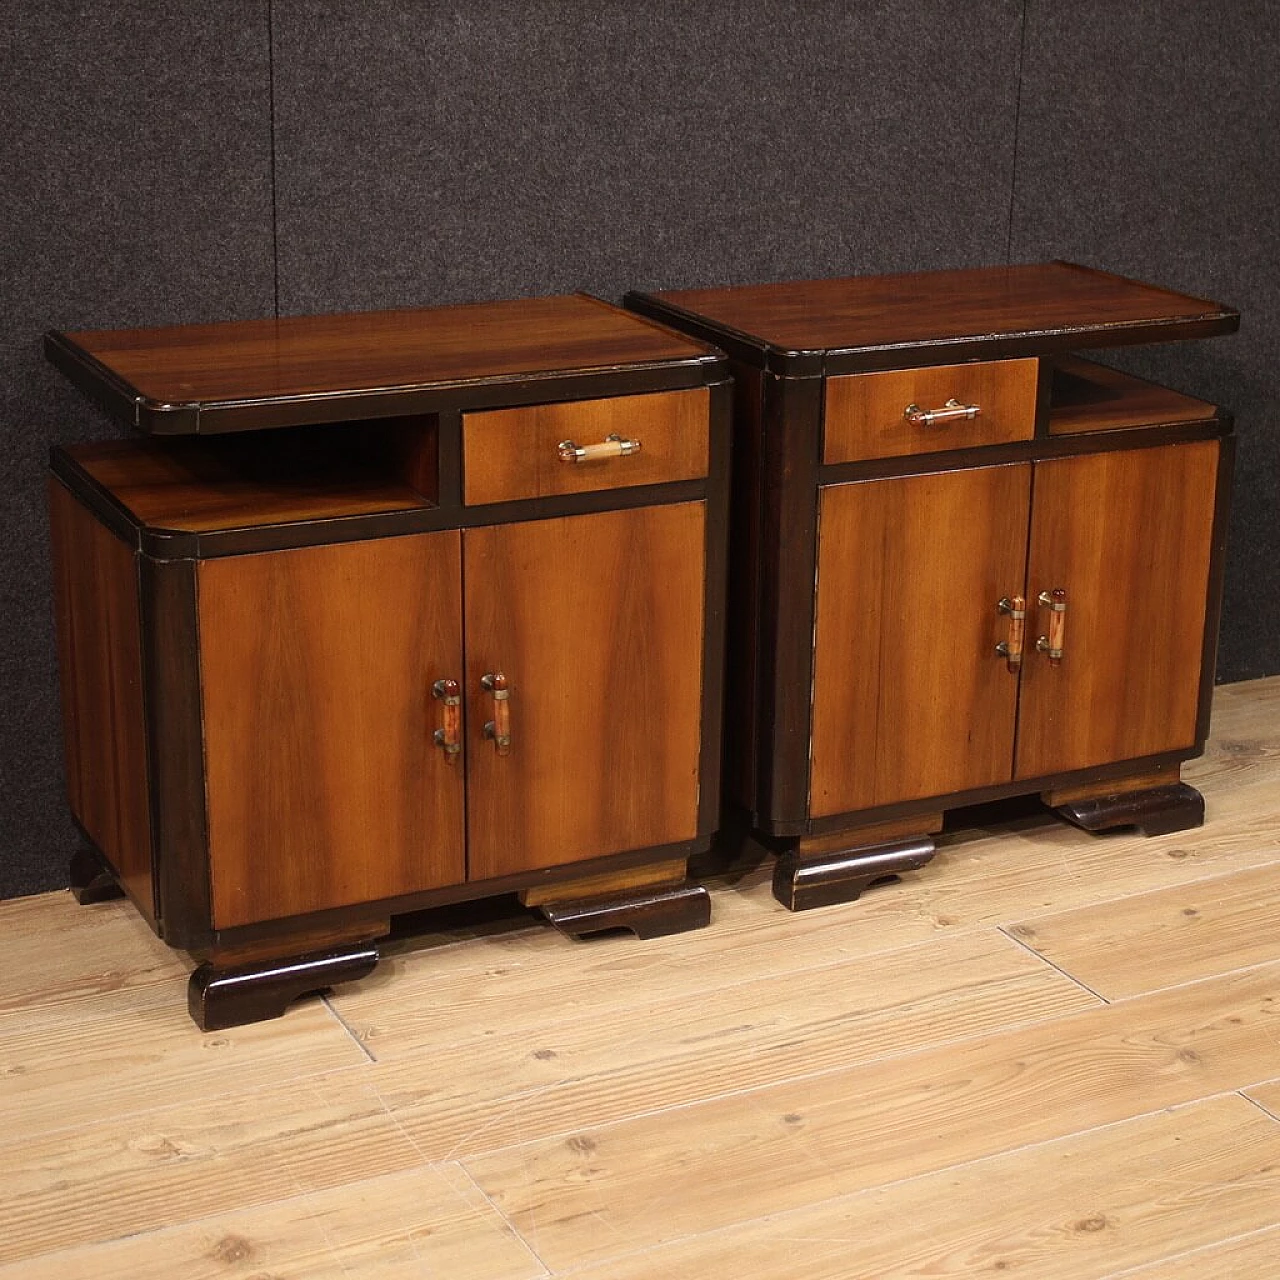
[[1217, 576], [336, 917], [101, 384], [175, 751]]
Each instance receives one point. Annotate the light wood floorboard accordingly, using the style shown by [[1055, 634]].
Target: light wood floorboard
[[928, 1081]]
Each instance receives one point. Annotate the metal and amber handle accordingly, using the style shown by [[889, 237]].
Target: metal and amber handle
[[952, 411], [498, 730], [1015, 608], [1052, 644], [449, 736], [613, 446]]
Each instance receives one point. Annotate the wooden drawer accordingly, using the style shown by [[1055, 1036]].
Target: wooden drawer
[[510, 454], [866, 413]]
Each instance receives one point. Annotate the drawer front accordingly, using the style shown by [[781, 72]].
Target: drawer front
[[905, 411], [510, 454]]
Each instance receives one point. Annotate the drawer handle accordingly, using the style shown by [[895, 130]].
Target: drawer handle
[[1015, 608], [449, 736], [498, 730], [612, 446], [1052, 644], [952, 411]]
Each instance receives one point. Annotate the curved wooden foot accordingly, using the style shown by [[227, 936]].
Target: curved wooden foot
[[91, 879], [821, 880], [649, 913], [1155, 811], [230, 997]]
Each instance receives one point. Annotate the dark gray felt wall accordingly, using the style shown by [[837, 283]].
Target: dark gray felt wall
[[182, 161]]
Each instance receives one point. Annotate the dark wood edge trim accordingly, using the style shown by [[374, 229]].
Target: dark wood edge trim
[[114, 514], [216, 417], [449, 465], [792, 411], [981, 795], [1037, 450], [1217, 578], [450, 894], [715, 604], [89, 375], [175, 750], [649, 322]]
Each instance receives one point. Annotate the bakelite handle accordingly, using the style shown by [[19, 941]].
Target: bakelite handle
[[952, 411], [449, 736], [498, 730], [613, 446], [1015, 608], [1053, 643]]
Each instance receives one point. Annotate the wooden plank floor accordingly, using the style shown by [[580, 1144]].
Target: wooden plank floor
[[1046, 1054]]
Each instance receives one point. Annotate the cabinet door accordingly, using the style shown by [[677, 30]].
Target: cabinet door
[[1127, 535], [325, 787], [910, 698], [597, 623]]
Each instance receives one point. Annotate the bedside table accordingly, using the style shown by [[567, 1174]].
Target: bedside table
[[966, 563], [390, 611]]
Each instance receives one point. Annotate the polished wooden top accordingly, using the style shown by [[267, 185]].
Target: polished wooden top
[[189, 372], [1044, 306]]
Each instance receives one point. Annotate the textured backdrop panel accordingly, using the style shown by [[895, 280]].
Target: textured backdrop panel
[[1147, 144], [134, 189], [493, 149]]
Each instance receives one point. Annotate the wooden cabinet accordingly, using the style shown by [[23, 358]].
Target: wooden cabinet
[[376, 634], [968, 563]]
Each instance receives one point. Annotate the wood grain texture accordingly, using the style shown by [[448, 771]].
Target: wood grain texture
[[231, 483], [581, 1198], [1257, 1254], [910, 698], [324, 786], [597, 622], [100, 669], [422, 1222], [510, 454], [317, 356], [864, 411], [1128, 535], [1161, 939], [887, 313], [1079, 1208], [1113, 787], [1267, 1096], [1085, 396]]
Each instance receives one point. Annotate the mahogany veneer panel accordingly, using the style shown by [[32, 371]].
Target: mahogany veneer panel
[[249, 363], [324, 786], [865, 411], [100, 660], [511, 453], [1128, 535], [910, 698], [877, 314], [597, 622]]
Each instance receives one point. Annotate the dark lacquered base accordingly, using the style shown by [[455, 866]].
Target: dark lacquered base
[[821, 880], [648, 913], [229, 997], [1155, 811], [91, 880]]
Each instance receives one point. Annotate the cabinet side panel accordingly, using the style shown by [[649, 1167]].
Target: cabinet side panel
[[597, 623], [1128, 536], [100, 660], [325, 788], [910, 698]]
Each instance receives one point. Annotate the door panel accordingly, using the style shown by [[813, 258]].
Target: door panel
[[324, 785], [1128, 536], [597, 623], [910, 698]]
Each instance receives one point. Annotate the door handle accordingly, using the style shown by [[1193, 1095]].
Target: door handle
[[1015, 608], [1052, 644], [498, 730], [449, 736]]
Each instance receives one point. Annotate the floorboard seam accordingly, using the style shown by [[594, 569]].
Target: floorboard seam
[[1266, 1111], [1188, 1253], [515, 1231], [347, 1027], [1084, 986]]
